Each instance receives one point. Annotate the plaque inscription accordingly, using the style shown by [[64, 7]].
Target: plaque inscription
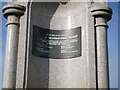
[[57, 44]]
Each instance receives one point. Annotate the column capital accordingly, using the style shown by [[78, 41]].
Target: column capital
[[12, 12], [13, 9], [101, 10]]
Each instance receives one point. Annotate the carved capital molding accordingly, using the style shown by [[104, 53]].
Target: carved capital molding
[[12, 12], [13, 9], [100, 10]]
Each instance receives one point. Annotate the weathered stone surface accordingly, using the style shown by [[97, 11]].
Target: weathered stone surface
[[102, 14], [89, 70], [63, 73], [12, 12]]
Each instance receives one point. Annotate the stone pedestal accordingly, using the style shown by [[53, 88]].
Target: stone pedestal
[[58, 45]]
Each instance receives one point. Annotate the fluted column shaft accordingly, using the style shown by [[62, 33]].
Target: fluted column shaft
[[12, 12]]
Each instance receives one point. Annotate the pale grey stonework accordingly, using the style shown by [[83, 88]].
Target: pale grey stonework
[[12, 13], [26, 70]]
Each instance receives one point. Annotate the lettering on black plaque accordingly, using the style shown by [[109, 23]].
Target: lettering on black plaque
[[57, 44]]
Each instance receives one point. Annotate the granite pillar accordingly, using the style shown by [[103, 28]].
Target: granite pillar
[[12, 12], [102, 14]]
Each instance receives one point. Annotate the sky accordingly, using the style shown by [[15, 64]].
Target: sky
[[2, 41], [112, 44], [0, 47]]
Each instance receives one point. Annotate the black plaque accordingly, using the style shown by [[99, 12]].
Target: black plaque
[[57, 44]]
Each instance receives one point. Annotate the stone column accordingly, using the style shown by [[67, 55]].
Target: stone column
[[12, 12], [102, 14]]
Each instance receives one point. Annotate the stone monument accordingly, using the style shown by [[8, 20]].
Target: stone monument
[[56, 44]]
